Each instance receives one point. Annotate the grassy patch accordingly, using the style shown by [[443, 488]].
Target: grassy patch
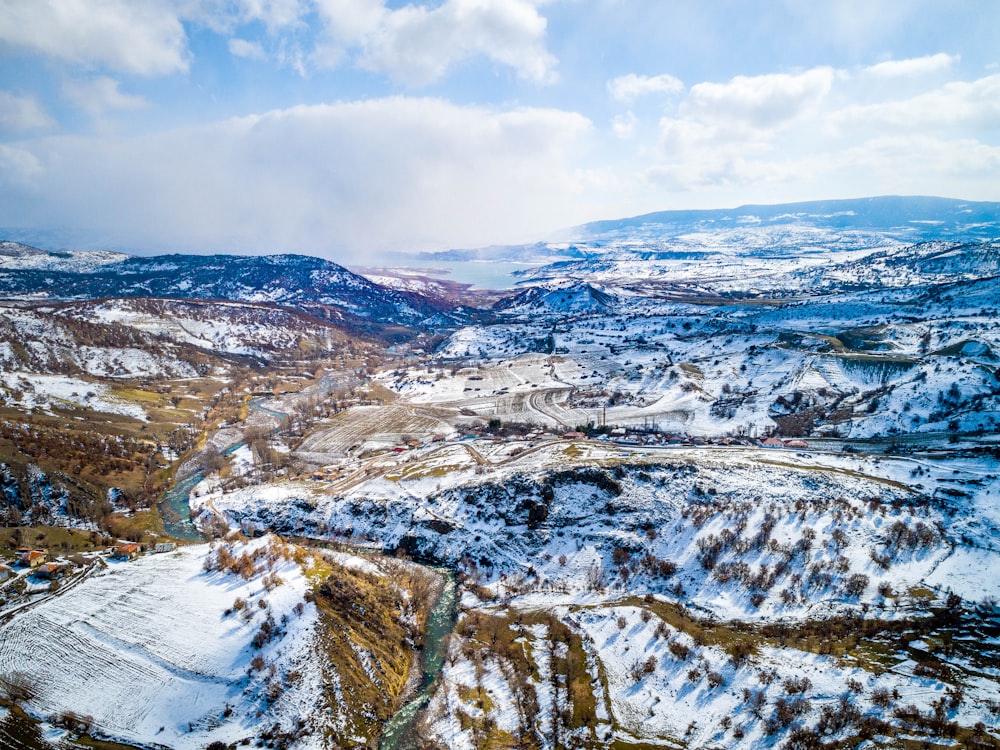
[[366, 642], [141, 526], [56, 539], [620, 744], [729, 637], [838, 470], [139, 396], [691, 370], [90, 742], [422, 471], [477, 697]]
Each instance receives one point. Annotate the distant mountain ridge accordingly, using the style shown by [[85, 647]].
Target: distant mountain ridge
[[784, 228], [906, 218], [301, 282]]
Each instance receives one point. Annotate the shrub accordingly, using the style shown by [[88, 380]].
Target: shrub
[[797, 685], [882, 698], [679, 650], [856, 584]]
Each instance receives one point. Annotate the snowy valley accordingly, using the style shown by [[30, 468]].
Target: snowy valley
[[700, 480]]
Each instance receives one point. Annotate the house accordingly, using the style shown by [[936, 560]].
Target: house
[[573, 435], [796, 444], [772, 442], [5, 572], [161, 547], [50, 570], [126, 551], [31, 558]]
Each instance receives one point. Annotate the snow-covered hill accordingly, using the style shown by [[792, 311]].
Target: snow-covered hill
[[296, 281], [153, 652]]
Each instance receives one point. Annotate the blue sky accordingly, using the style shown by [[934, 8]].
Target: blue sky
[[349, 128]]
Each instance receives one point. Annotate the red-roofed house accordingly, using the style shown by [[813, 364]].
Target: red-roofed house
[[50, 570], [31, 558], [126, 551], [772, 442]]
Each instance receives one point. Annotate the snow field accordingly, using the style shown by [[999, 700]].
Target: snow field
[[146, 649]]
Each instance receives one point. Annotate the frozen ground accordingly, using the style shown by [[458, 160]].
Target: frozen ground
[[152, 651]]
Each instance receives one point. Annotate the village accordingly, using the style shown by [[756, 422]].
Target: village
[[35, 574]]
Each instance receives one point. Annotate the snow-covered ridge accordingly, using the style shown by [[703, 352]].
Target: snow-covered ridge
[[296, 281], [15, 256]]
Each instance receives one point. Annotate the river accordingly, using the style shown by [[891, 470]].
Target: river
[[398, 733], [174, 506]]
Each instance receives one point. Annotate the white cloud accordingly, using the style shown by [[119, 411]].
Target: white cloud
[[274, 14], [623, 126], [144, 37], [348, 21], [831, 131], [959, 104], [726, 133], [246, 49], [389, 173], [22, 112], [418, 44], [764, 101], [414, 44], [629, 87], [913, 66], [99, 95]]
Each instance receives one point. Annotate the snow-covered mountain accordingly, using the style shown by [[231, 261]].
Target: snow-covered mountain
[[295, 281], [16, 256], [907, 219]]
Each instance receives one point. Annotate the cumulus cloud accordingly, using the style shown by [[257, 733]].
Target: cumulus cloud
[[100, 95], [966, 104], [246, 49], [809, 128], [392, 173], [348, 21], [630, 87], [623, 126], [417, 45], [762, 101], [274, 14], [145, 37], [414, 44], [913, 66], [22, 112]]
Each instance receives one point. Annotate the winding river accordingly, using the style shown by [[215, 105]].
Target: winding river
[[174, 506], [398, 733]]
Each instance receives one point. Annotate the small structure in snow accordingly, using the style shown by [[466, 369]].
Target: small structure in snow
[[772, 442], [573, 435], [50, 570], [161, 547], [796, 444], [5, 572], [31, 558], [127, 551]]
